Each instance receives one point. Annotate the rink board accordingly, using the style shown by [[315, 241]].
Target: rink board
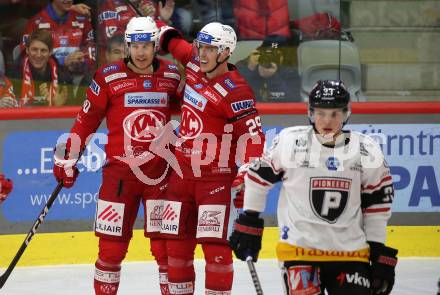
[[82, 247]]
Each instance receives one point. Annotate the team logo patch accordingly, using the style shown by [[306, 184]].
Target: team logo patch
[[220, 89], [191, 125], [332, 163], [109, 218], [194, 99], [329, 197], [144, 125], [242, 105], [229, 84], [211, 220], [171, 217], [115, 76], [95, 88], [147, 84], [110, 68], [120, 86], [145, 99], [154, 210]]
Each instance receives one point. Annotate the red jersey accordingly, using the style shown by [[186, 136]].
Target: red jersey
[[136, 107], [70, 33], [113, 17], [219, 119]]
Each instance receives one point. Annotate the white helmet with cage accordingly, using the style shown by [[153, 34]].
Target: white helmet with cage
[[219, 35], [142, 29]]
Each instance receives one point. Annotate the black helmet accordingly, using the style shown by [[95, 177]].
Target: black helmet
[[329, 94]]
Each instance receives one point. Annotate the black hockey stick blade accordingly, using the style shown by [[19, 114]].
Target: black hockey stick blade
[[254, 275], [4, 277]]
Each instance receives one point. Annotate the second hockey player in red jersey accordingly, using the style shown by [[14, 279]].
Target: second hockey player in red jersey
[[219, 125], [134, 97]]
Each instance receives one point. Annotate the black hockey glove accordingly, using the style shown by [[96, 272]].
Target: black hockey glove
[[245, 240], [383, 262]]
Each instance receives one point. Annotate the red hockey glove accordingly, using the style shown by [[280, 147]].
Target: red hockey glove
[[383, 262], [238, 186], [166, 33], [64, 169], [6, 186]]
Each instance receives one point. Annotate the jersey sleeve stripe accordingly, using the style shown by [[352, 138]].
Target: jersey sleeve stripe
[[376, 210], [372, 187], [255, 179]]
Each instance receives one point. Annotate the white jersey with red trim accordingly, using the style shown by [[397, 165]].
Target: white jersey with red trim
[[332, 198]]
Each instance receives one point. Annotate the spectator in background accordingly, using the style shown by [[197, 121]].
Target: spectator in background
[[115, 49], [113, 15], [72, 34], [271, 71], [7, 96], [38, 79]]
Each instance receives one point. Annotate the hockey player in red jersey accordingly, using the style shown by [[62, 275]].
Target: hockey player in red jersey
[[335, 201], [6, 186], [219, 125], [72, 32], [134, 97]]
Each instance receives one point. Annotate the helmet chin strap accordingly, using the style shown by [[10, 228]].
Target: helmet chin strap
[[217, 63]]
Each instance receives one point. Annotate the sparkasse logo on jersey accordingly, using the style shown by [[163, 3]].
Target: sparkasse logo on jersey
[[145, 99], [194, 99], [242, 105]]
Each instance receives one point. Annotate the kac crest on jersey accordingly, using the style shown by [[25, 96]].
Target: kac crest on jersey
[[329, 196]]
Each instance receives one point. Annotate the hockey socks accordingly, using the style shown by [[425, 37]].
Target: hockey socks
[[108, 266], [219, 269]]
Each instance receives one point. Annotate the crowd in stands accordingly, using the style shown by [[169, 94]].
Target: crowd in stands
[[50, 49]]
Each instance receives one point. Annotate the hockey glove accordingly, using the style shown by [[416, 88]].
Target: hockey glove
[[166, 33], [6, 186], [238, 186], [64, 169], [245, 240], [383, 262]]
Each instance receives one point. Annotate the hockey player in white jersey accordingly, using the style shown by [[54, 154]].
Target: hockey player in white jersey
[[335, 202]]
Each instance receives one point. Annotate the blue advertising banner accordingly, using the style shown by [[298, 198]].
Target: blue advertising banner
[[410, 149]]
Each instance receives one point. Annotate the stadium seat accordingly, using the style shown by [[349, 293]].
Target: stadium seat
[[319, 60]]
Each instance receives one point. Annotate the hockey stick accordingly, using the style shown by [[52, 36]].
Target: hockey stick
[[31, 233], [254, 275]]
